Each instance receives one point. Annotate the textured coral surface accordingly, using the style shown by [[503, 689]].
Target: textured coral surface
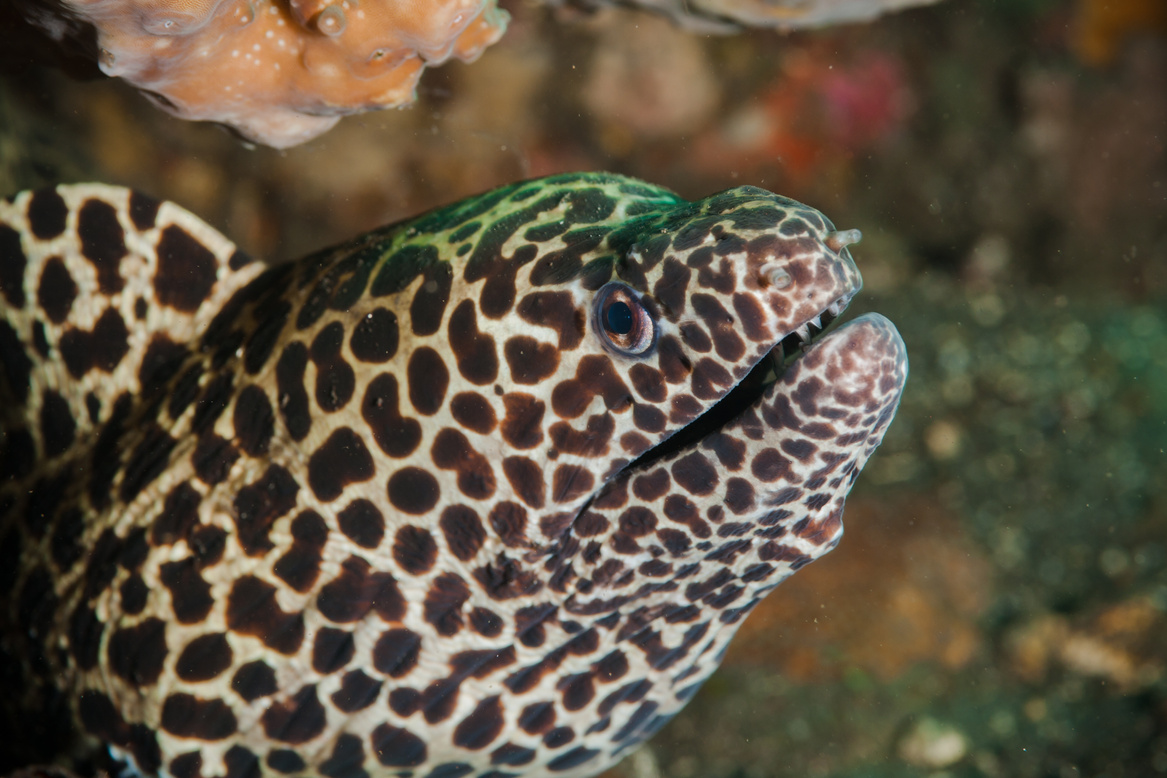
[[282, 71]]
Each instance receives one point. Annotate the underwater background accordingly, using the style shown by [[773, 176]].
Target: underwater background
[[998, 606]]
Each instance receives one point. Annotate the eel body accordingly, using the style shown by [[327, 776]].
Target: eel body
[[484, 493]]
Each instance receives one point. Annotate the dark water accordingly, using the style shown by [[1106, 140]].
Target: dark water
[[999, 605]]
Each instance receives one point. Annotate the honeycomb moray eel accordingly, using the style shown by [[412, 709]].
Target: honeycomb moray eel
[[484, 493]]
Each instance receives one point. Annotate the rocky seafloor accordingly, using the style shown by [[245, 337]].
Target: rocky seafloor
[[998, 606]]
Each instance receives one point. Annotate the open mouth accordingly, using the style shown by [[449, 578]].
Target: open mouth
[[748, 390]]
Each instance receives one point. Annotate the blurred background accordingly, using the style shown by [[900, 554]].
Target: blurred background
[[998, 606]]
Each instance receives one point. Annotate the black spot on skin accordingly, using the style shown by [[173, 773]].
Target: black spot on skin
[[474, 412], [443, 603], [16, 364], [414, 550], [508, 754], [452, 451], [47, 213], [413, 490], [215, 398], [341, 460], [529, 360], [693, 473], [190, 594], [526, 478], [710, 380], [429, 302], [137, 653], [57, 289], [482, 726], [187, 765], [184, 715], [428, 379], [505, 579], [463, 531], [739, 495], [297, 720], [801, 450], [284, 760], [537, 717], [335, 380], [357, 691], [204, 658], [293, 397], [186, 270], [184, 391], [404, 701], [238, 259], [475, 351], [356, 591], [143, 211], [578, 690], [40, 340], [103, 243], [148, 460], [12, 266], [57, 425], [651, 486], [529, 624], [396, 435], [509, 521], [671, 359], [254, 421], [241, 763], [730, 451], [559, 737], [254, 680], [161, 361], [347, 759], [498, 293], [396, 652], [179, 515], [134, 594], [252, 610], [751, 316], [362, 522], [439, 699], [570, 482], [85, 631], [374, 339], [770, 465], [594, 376], [590, 442], [93, 407], [396, 747], [299, 567], [558, 311], [522, 427], [101, 565], [102, 348], [272, 316], [212, 458], [259, 504], [486, 622], [331, 650]]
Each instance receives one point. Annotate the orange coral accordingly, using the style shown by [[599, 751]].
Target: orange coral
[[281, 72]]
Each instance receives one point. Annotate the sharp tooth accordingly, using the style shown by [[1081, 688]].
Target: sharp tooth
[[803, 332], [815, 322]]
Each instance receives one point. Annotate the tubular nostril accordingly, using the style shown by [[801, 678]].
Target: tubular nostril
[[779, 277], [839, 239]]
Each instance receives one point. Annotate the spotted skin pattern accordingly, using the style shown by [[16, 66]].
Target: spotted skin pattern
[[402, 508]]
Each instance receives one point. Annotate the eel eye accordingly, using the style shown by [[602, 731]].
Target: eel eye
[[624, 324]]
